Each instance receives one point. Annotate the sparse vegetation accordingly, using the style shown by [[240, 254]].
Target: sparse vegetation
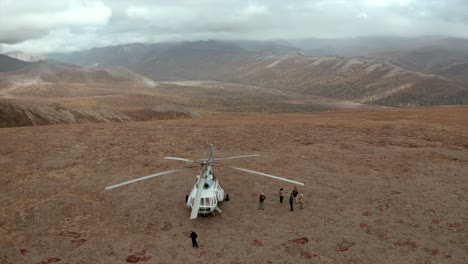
[[379, 185]]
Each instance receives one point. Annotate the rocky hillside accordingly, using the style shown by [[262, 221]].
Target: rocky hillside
[[360, 79], [48, 93], [199, 60], [15, 113], [447, 58], [432, 71], [246, 76], [45, 93], [49, 79], [10, 64]]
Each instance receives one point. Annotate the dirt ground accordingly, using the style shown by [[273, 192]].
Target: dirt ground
[[386, 186]]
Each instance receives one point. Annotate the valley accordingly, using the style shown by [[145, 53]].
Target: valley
[[137, 82]]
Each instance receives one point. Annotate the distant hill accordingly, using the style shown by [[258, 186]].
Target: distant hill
[[24, 57], [15, 113], [45, 93], [446, 57], [358, 46], [10, 64], [41, 73], [394, 71], [264, 47], [360, 79], [203, 60], [176, 61]]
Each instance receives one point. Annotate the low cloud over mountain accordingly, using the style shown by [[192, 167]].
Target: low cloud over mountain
[[53, 25]]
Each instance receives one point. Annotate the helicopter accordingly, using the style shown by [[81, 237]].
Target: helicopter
[[206, 193]]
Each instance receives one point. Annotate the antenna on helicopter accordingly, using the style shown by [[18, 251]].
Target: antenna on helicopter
[[206, 193]]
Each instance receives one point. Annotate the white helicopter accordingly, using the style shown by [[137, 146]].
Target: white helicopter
[[206, 193]]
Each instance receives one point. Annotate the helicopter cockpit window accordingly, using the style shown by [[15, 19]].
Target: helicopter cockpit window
[[205, 201]]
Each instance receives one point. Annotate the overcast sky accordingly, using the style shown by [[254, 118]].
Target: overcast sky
[[68, 25]]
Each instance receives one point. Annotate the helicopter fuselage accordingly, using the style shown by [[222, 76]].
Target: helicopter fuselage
[[211, 195], [206, 194]]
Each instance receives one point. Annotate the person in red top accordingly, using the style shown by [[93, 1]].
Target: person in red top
[[262, 198]]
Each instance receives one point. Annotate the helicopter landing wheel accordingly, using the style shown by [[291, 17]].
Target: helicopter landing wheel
[[186, 198], [226, 197]]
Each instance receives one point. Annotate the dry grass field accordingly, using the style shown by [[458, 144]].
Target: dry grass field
[[387, 186]]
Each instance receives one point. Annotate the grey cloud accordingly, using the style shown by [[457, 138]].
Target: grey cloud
[[20, 21], [205, 17], [13, 37], [445, 11], [109, 22]]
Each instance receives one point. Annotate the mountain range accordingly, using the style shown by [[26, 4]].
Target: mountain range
[[187, 79]]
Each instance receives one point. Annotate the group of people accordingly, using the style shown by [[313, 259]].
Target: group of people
[[292, 199]]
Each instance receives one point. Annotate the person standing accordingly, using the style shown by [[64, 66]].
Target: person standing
[[295, 192], [194, 236], [262, 198], [291, 201], [281, 195], [301, 201]]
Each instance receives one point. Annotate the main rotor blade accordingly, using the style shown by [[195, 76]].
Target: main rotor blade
[[144, 178], [181, 159], [267, 175], [196, 203], [236, 157]]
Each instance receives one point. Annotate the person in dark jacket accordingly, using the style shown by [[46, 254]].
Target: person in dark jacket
[[194, 236], [281, 195], [291, 201], [261, 198], [295, 192]]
